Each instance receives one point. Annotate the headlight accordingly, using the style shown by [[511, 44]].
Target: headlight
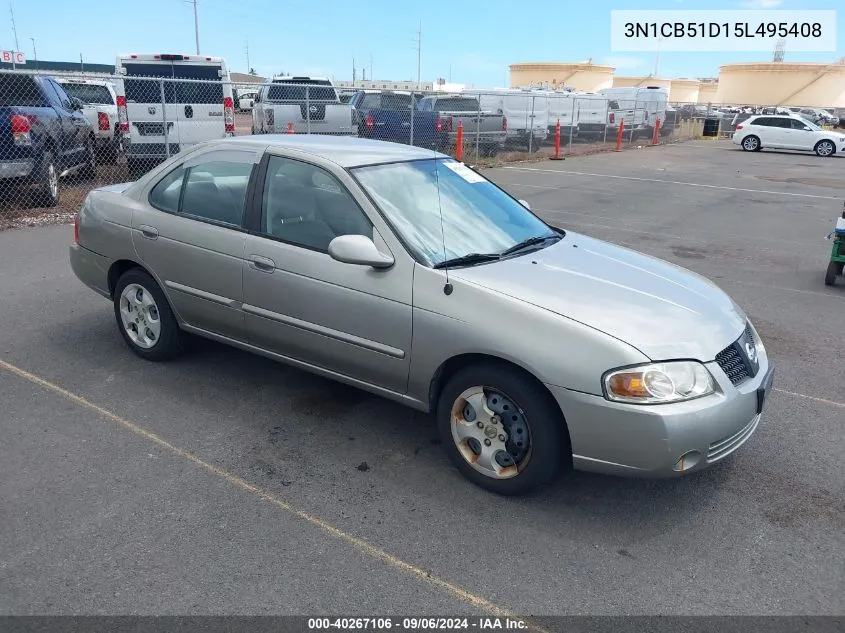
[[659, 383]]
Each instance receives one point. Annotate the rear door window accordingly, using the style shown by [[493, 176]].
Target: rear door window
[[202, 84], [141, 86]]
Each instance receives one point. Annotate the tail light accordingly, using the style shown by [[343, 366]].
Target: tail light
[[122, 116], [21, 127], [442, 124], [612, 117], [739, 126], [369, 122], [504, 124], [438, 124], [103, 121], [76, 228], [229, 114]]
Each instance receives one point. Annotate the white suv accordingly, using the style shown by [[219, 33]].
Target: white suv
[[776, 131], [100, 108]]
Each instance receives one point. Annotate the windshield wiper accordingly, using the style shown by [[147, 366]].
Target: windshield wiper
[[531, 241], [471, 258]]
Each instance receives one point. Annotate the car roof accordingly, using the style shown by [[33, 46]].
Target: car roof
[[345, 151]]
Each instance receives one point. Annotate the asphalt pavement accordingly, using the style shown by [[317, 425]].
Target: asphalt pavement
[[226, 483]]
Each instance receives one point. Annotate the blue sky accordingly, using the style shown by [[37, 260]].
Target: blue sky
[[475, 39]]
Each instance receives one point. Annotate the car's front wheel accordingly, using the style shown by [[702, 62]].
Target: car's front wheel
[[825, 148], [751, 143], [502, 429], [144, 317]]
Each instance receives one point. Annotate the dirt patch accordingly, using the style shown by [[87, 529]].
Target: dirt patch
[[689, 252]]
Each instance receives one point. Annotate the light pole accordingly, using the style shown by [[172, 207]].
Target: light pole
[[34, 53]]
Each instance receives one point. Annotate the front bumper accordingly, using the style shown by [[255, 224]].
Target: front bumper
[[15, 168], [664, 440]]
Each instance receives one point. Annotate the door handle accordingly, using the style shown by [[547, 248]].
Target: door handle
[[149, 232], [264, 264]]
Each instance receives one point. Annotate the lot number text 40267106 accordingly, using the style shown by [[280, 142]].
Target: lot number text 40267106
[[724, 30]]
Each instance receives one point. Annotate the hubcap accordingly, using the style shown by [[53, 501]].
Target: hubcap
[[751, 143], [53, 180], [825, 149], [491, 432], [140, 316]]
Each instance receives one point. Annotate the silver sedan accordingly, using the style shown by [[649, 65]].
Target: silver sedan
[[406, 273]]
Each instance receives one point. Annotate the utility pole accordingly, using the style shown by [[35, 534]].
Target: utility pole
[[657, 57], [419, 56], [246, 49], [34, 53], [354, 74], [196, 24], [15, 31], [371, 67]]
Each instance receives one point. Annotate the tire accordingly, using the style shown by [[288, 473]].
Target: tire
[[751, 143], [833, 270], [825, 148], [47, 183], [521, 469], [168, 340], [89, 170]]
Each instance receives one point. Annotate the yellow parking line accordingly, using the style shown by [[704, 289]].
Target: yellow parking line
[[462, 594], [832, 403]]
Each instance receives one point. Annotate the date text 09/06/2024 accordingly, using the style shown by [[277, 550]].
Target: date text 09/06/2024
[[742, 30], [415, 623]]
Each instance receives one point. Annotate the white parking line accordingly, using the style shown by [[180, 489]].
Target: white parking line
[[673, 182]]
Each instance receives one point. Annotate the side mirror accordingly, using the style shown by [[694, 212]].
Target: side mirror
[[76, 104], [807, 128], [525, 204], [358, 249]]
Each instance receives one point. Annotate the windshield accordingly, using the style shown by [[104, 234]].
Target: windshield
[[89, 93], [477, 216]]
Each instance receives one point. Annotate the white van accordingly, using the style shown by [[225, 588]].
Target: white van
[[640, 107], [527, 112], [167, 103]]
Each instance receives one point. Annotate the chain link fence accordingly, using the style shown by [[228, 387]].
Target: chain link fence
[[61, 135]]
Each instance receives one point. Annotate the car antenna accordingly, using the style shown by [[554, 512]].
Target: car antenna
[[447, 288]]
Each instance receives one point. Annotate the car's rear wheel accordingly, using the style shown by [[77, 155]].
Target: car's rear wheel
[[501, 429], [144, 317], [825, 148], [46, 193], [834, 269], [751, 143]]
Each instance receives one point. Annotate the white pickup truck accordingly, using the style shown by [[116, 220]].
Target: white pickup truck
[[303, 105], [100, 108]]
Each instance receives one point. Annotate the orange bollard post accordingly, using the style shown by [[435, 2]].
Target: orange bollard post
[[557, 155], [290, 128], [459, 142], [619, 135], [656, 132]]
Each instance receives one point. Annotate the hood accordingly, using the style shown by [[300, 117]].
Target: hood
[[663, 310]]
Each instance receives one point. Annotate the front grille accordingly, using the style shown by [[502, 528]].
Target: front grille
[[733, 361], [317, 111], [728, 445]]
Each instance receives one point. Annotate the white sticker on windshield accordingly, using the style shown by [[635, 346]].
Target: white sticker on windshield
[[464, 172]]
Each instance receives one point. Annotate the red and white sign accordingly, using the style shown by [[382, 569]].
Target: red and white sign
[[9, 57]]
